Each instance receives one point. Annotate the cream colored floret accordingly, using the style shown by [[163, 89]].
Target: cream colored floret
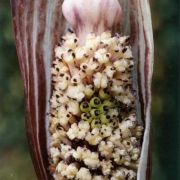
[[73, 131], [106, 167], [71, 171], [92, 160], [83, 174], [106, 148], [94, 137], [55, 154]]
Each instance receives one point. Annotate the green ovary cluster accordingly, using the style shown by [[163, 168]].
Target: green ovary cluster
[[99, 110]]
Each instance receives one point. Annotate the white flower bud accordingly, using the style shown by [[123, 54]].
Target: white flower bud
[[73, 107], [75, 92], [59, 51], [70, 41], [106, 131], [66, 151], [106, 167], [61, 167], [92, 42], [102, 56], [83, 174], [100, 80], [92, 160], [109, 71], [55, 154], [71, 171], [94, 137], [106, 148], [73, 131]]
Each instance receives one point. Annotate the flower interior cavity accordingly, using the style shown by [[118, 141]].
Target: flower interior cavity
[[95, 134]]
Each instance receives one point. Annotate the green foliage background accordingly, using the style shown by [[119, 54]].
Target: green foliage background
[[15, 162]]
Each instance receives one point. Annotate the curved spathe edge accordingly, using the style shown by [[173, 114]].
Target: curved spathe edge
[[144, 12]]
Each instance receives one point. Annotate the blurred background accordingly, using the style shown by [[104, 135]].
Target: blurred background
[[15, 162]]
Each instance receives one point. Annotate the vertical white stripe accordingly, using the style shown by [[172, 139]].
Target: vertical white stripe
[[149, 33], [34, 40], [47, 56]]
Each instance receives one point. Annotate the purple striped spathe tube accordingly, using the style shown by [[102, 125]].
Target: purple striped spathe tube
[[38, 25]]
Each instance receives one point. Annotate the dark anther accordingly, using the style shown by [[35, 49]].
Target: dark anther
[[69, 50], [97, 67], [94, 59], [75, 80], [52, 115], [124, 50], [86, 56], [73, 55], [113, 68], [59, 44], [70, 30], [84, 66], [62, 39], [131, 66], [130, 58], [58, 127], [127, 39], [128, 143]]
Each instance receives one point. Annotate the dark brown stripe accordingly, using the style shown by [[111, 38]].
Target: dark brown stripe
[[146, 68], [17, 35], [31, 111]]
